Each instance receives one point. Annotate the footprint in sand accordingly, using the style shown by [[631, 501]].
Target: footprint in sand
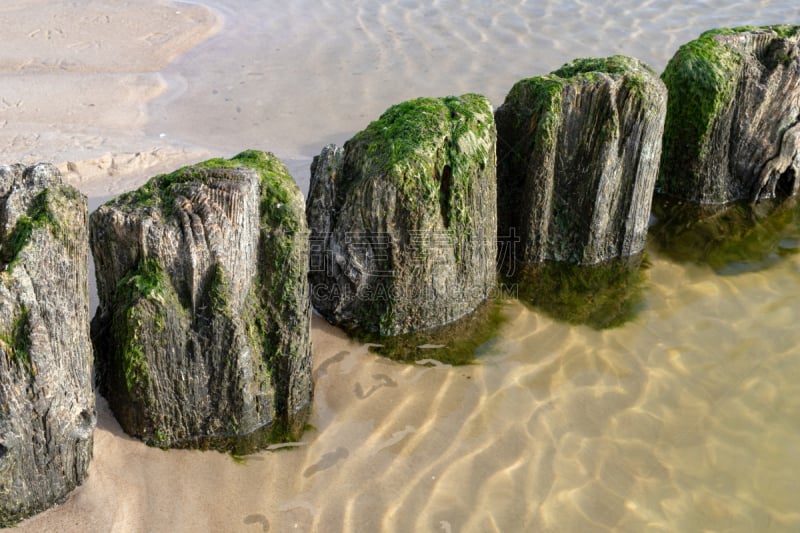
[[385, 381], [323, 367], [326, 461], [432, 363], [257, 519], [396, 437]]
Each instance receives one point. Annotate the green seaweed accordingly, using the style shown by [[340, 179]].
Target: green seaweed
[[239, 446], [38, 215], [537, 102], [238, 459], [160, 191], [147, 282], [160, 439], [784, 31], [145, 296], [282, 248], [530, 127], [528, 123], [428, 148], [219, 290], [614, 65], [19, 237], [282, 217], [434, 153], [604, 295], [17, 342], [701, 79], [402, 136]]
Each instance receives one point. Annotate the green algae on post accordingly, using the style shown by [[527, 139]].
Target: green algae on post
[[701, 78], [422, 144], [38, 215], [403, 218], [636, 74], [732, 113], [202, 335], [17, 342], [47, 405], [578, 153], [240, 445], [139, 298]]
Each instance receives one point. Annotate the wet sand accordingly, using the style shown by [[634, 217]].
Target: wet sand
[[76, 79], [684, 420]]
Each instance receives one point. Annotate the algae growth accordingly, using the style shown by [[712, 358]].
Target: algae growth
[[701, 79], [268, 437], [430, 150], [151, 316], [146, 282], [536, 105], [635, 74], [17, 342], [38, 215]]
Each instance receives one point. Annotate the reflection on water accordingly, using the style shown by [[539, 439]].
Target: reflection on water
[[731, 239], [683, 420], [456, 343], [604, 295]]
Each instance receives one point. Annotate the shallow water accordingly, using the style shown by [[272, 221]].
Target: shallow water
[[684, 420], [293, 77]]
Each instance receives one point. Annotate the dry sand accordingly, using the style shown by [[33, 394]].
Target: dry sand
[[75, 79], [684, 420]]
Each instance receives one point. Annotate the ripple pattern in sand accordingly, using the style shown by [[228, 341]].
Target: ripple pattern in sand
[[681, 421], [563, 429], [295, 76]]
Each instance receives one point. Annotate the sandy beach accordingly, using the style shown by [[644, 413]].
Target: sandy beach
[[684, 420], [75, 82]]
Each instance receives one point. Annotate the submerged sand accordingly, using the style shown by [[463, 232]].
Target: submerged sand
[[684, 420]]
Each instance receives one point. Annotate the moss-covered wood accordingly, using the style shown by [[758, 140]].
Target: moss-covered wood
[[202, 333], [403, 218], [578, 151], [47, 411], [732, 130]]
